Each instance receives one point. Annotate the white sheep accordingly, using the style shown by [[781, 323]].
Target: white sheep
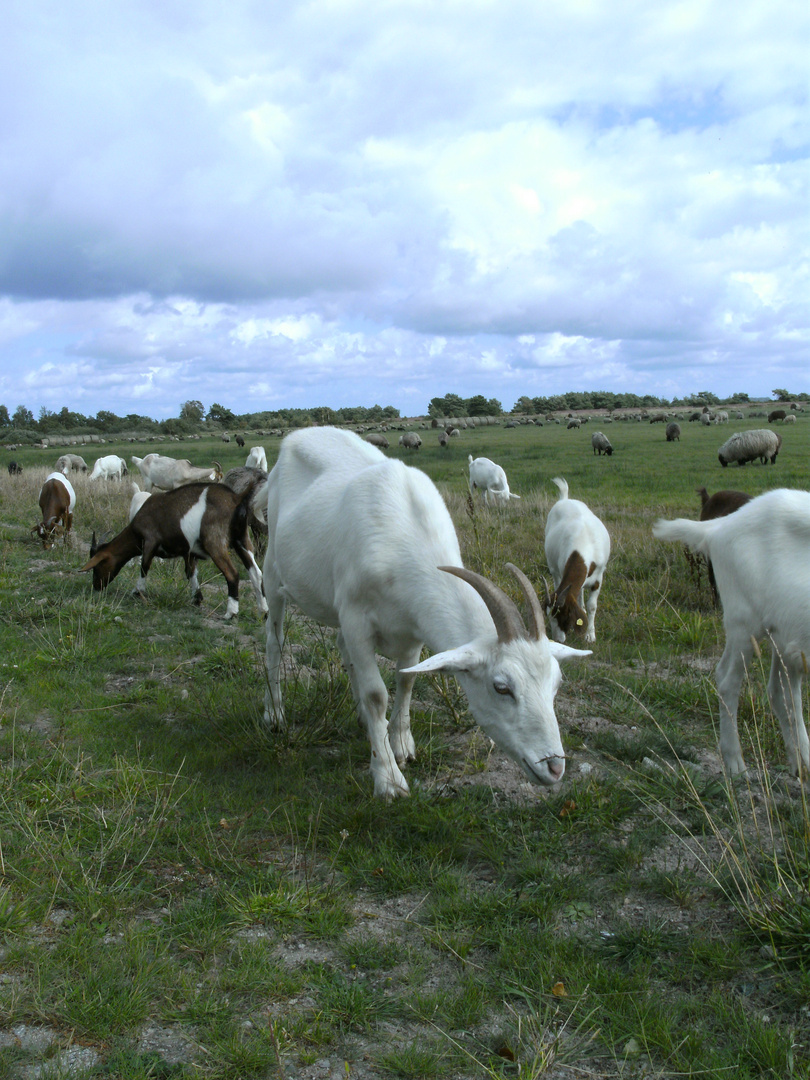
[[743, 446], [489, 478], [759, 555], [577, 553], [391, 582]]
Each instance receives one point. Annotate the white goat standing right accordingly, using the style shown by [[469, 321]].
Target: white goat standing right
[[577, 552], [760, 555], [365, 543], [489, 478]]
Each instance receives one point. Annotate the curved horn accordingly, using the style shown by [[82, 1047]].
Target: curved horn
[[503, 610], [537, 622]]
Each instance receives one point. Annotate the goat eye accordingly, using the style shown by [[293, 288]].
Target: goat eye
[[503, 688]]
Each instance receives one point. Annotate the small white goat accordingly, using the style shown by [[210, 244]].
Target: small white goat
[[257, 458], [577, 552], [111, 467], [759, 555], [365, 543], [489, 478], [168, 473]]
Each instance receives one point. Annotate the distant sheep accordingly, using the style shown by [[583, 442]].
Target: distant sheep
[[489, 478], [444, 439], [378, 440], [601, 444], [410, 441], [789, 419], [14, 469], [70, 463], [777, 414], [744, 446], [658, 418], [576, 424], [673, 432]]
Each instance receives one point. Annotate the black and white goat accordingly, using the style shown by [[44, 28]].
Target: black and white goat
[[57, 500], [759, 554], [577, 552], [193, 522]]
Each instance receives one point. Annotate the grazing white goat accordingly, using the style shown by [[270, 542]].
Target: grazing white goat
[[365, 543], [760, 559], [168, 473], [138, 499], [577, 552], [257, 458], [193, 522], [111, 467], [489, 478]]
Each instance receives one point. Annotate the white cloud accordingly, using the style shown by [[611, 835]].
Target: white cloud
[[320, 200]]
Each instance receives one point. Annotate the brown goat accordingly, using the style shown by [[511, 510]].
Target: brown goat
[[56, 502], [195, 521], [721, 504]]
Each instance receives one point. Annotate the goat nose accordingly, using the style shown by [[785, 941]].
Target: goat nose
[[556, 767]]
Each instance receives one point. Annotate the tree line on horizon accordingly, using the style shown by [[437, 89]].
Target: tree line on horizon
[[194, 417]]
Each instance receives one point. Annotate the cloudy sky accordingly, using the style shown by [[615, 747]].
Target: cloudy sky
[[267, 204]]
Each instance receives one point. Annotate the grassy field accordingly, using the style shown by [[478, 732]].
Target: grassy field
[[183, 894]]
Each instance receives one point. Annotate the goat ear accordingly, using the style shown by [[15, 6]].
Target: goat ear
[[93, 546], [564, 652], [94, 561], [464, 658]]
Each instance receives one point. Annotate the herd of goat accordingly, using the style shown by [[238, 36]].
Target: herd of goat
[[396, 583]]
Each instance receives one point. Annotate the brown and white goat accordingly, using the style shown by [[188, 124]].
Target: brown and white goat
[[577, 551], [721, 504], [193, 522], [57, 500]]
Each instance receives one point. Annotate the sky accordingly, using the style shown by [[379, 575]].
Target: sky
[[267, 204]]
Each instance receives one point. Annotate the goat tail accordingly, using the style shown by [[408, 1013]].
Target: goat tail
[[259, 504], [695, 534], [562, 485]]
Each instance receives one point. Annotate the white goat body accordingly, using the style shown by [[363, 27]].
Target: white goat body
[[358, 541], [168, 473], [759, 555], [138, 499], [489, 478], [111, 467], [257, 458], [577, 551]]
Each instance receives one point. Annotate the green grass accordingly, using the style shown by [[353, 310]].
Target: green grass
[[167, 863]]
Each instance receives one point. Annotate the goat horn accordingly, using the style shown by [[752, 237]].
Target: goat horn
[[537, 622], [503, 610]]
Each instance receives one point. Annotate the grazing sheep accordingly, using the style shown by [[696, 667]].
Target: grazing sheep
[[694, 416], [444, 439], [576, 424], [744, 446], [759, 555], [380, 441], [658, 418], [705, 418], [720, 417], [577, 553], [240, 442], [14, 469], [194, 521], [57, 500], [601, 443], [791, 419], [394, 582], [411, 441], [673, 432], [776, 414], [70, 463], [257, 458], [489, 478]]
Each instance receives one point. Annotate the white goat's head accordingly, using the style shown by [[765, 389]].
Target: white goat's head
[[511, 678]]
